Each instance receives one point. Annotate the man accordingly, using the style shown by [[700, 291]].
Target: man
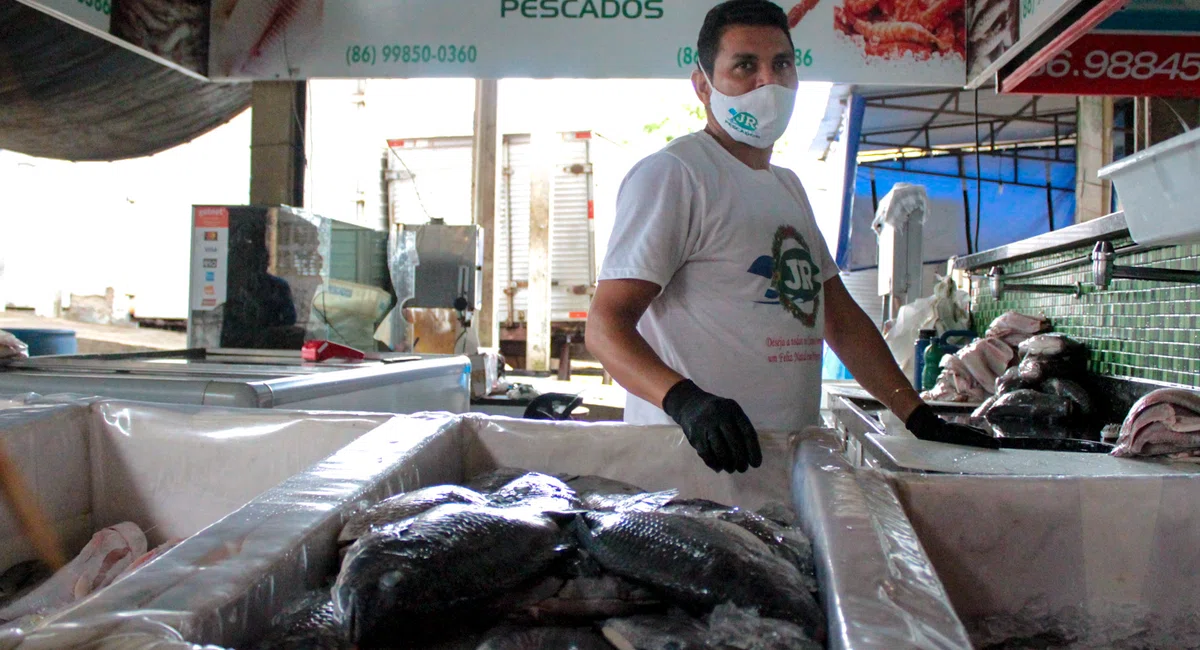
[[717, 278]]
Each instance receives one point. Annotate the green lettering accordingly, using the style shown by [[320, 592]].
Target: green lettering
[[654, 9], [637, 5], [564, 8], [588, 7], [614, 4], [507, 6], [549, 8], [529, 8]]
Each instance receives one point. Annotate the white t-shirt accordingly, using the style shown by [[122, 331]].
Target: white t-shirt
[[712, 232]]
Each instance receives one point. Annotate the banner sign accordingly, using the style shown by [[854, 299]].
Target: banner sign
[[998, 30], [850, 41], [173, 33], [1151, 48]]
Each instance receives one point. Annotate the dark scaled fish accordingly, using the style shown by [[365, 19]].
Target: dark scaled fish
[[1072, 391], [448, 559], [1047, 356], [586, 598], [780, 513], [535, 490], [587, 484], [733, 628], [673, 632], [790, 544], [308, 625], [599, 493], [700, 562], [493, 480], [545, 638], [1030, 405], [1011, 380], [402, 506]]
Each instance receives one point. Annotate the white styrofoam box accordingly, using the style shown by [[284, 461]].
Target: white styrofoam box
[[1159, 191], [172, 470]]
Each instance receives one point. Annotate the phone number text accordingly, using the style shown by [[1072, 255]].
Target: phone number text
[[360, 55], [1123, 64], [687, 56]]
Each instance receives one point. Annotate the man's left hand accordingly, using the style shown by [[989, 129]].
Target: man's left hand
[[926, 425]]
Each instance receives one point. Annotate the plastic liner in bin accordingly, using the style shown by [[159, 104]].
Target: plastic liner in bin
[[224, 585], [172, 470], [878, 586]]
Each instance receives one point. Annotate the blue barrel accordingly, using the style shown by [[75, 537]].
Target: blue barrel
[[44, 342]]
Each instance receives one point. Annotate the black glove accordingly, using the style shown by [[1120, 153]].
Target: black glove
[[717, 427], [926, 425]]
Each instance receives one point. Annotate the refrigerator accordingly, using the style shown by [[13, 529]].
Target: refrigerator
[[385, 383]]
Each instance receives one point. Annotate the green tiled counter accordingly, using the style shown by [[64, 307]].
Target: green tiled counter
[[1138, 329]]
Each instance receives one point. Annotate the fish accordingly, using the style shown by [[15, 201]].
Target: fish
[[150, 556], [1013, 327], [732, 627], [536, 490], [490, 481], [404, 506], [669, 632], [780, 513], [310, 624], [440, 562], [1011, 380], [982, 409], [599, 493], [1050, 345], [1165, 421], [700, 562], [587, 484], [790, 544], [986, 359], [592, 597], [645, 502], [1072, 391], [545, 638], [1028, 404], [105, 556]]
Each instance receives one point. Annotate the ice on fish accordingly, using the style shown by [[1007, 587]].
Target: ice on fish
[[545, 638], [670, 632], [535, 490], [592, 597], [451, 557], [735, 628], [700, 562], [108, 553], [780, 514], [493, 480], [644, 502], [308, 625], [403, 506]]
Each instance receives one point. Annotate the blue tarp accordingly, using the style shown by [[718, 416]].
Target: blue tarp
[[1008, 213]]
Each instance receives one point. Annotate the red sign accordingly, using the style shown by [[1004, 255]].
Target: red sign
[[1106, 63], [212, 217], [577, 315]]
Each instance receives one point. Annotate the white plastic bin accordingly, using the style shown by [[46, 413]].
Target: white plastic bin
[[1159, 190]]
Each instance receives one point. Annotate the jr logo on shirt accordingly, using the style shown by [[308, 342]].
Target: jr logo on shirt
[[794, 277]]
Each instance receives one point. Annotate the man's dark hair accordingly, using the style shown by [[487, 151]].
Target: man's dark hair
[[756, 13]]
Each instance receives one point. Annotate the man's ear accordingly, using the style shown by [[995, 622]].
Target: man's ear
[[700, 85]]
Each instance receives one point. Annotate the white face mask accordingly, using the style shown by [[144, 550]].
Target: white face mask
[[757, 118]]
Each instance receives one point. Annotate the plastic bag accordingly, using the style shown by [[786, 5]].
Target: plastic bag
[[11, 347], [906, 202], [945, 310]]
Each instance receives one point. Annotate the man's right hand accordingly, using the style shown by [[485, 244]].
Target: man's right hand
[[715, 426]]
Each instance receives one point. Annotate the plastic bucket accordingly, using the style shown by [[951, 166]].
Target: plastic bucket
[[43, 342]]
